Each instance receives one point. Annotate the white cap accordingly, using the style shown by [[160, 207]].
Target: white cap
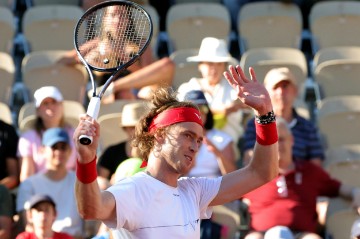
[[213, 50], [47, 92], [278, 232]]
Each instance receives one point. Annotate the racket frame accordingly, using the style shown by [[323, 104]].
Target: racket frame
[[116, 70], [95, 101]]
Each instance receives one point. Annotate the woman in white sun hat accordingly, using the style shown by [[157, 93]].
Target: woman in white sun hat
[[212, 59]]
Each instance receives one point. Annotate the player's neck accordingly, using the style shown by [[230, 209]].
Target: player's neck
[[158, 170]]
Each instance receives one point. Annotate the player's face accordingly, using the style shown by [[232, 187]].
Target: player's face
[[181, 144]]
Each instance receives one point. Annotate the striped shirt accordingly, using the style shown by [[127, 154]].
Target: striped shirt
[[307, 143]]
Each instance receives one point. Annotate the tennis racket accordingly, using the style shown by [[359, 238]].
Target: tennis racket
[[110, 37]]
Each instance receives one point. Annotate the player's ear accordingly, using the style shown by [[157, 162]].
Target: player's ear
[[159, 137]]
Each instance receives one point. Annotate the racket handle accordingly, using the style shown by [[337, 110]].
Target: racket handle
[[93, 112]]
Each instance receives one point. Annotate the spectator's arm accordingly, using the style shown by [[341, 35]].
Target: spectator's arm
[[5, 227], [27, 168], [12, 168]]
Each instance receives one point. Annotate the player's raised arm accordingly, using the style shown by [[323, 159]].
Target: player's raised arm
[[91, 202], [264, 165]]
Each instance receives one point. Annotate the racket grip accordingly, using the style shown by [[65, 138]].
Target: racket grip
[[93, 112]]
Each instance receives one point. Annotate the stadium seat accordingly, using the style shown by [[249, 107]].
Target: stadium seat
[[336, 53], [156, 27], [41, 69], [335, 70], [345, 171], [110, 122], [5, 113], [338, 119], [338, 225], [111, 131], [7, 3], [192, 1], [184, 70], [7, 73], [269, 24], [32, 3], [50, 27], [116, 106], [347, 152], [338, 77], [187, 24], [334, 23], [265, 59], [7, 29]]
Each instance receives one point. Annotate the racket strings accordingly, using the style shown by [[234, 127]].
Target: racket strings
[[113, 35]]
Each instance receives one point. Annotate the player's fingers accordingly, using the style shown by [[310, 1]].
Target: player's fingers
[[252, 74], [230, 78], [241, 74]]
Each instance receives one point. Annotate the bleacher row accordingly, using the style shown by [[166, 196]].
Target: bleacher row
[[270, 35]]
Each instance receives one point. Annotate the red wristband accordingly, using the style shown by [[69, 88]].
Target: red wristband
[[86, 172], [266, 134]]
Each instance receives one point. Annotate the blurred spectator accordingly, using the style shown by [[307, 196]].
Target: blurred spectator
[[6, 213], [41, 215], [127, 168], [116, 154], [49, 114], [57, 182], [283, 90], [234, 7], [212, 59], [355, 230], [290, 199], [9, 166], [216, 155], [136, 81]]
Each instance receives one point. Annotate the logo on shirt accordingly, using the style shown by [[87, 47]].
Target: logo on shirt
[[194, 223]]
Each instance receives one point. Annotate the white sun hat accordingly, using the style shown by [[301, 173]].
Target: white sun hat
[[213, 50]]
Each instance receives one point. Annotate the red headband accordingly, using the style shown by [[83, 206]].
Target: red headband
[[176, 115]]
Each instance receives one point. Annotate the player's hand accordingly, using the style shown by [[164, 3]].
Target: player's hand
[[249, 91], [87, 126]]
